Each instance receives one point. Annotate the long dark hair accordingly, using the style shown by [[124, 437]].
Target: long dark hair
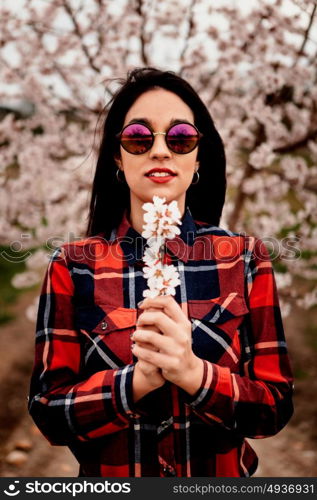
[[110, 198]]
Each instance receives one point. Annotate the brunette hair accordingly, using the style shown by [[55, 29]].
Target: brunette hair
[[110, 198]]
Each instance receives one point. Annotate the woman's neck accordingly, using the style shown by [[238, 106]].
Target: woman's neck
[[135, 218]]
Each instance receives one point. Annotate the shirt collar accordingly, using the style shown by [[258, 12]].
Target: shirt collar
[[133, 244]]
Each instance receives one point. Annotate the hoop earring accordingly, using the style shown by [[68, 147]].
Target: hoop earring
[[197, 180], [118, 178]]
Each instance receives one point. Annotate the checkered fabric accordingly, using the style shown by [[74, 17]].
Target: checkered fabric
[[81, 388]]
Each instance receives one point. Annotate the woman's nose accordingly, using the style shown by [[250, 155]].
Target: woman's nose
[[159, 148]]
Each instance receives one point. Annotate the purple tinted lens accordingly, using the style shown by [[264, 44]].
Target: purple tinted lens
[[182, 138], [136, 138]]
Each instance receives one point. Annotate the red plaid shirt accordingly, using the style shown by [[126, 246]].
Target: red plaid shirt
[[81, 389]]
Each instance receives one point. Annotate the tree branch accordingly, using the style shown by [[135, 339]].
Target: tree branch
[[288, 148], [303, 5], [72, 88], [79, 35], [309, 185], [241, 195], [190, 32], [300, 53], [139, 11], [240, 199]]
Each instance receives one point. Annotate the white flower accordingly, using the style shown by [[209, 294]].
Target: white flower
[[152, 253], [25, 279], [31, 311], [262, 156], [295, 169], [283, 280], [151, 293], [162, 279], [158, 203], [309, 300], [161, 219], [160, 224], [154, 271], [37, 260]]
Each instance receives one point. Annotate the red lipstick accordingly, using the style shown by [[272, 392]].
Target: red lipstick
[[160, 179]]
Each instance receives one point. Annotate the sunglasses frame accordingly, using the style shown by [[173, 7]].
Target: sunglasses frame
[[153, 134]]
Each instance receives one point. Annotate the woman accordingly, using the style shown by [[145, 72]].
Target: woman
[[173, 385]]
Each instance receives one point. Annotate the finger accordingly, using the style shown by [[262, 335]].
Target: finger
[[169, 306], [165, 324], [147, 345], [153, 327], [146, 366], [148, 369], [158, 359], [157, 341]]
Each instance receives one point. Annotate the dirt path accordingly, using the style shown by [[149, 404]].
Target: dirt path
[[24, 452], [20, 441]]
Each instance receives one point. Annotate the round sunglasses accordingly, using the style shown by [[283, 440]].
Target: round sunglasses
[[181, 138]]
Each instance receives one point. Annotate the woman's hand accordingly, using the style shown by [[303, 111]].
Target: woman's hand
[[152, 373], [171, 350]]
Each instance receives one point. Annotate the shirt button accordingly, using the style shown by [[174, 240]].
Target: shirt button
[[169, 471], [164, 424], [104, 325], [133, 416]]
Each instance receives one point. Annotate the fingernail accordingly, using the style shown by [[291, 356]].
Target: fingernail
[[140, 303]]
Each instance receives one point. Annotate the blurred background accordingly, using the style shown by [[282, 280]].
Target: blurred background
[[254, 65]]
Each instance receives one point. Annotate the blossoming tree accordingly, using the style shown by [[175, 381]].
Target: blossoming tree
[[255, 70]]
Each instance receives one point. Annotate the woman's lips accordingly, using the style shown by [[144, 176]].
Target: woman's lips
[[160, 175], [166, 178]]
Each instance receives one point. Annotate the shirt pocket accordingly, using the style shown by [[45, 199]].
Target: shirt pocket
[[106, 332], [215, 334]]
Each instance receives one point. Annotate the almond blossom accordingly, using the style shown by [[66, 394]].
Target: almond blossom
[[160, 223], [163, 281], [262, 156], [161, 219]]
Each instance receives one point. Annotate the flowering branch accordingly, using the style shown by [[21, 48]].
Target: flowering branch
[[306, 34], [143, 37], [84, 48], [161, 222]]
